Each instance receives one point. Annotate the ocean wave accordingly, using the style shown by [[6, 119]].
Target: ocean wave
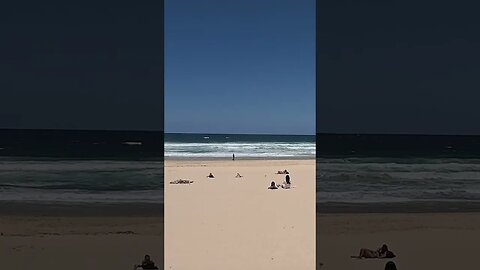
[[398, 196], [82, 181], [78, 165], [252, 149], [395, 160], [145, 196], [381, 180]]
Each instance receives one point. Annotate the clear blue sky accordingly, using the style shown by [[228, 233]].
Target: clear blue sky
[[240, 66]]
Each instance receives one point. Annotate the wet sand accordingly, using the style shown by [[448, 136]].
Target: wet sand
[[78, 237], [420, 241]]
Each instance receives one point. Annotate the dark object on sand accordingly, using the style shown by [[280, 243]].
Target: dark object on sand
[[380, 253], [211, 176], [390, 254], [238, 175], [283, 172], [147, 263], [272, 186], [390, 266], [181, 181]]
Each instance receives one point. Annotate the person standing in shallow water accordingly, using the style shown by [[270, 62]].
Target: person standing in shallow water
[[233, 156]]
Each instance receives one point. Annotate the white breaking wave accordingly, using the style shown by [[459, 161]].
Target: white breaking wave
[[273, 149]]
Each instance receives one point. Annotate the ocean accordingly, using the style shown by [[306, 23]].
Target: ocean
[[81, 166], [398, 169], [223, 146], [69, 166], [127, 166]]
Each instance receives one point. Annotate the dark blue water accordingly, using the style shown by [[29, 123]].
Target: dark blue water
[[397, 168], [403, 146], [225, 138], [81, 166], [127, 166], [82, 144]]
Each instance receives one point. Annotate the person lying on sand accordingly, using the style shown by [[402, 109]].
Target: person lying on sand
[[390, 266], [286, 184], [382, 252], [211, 176], [272, 186], [181, 181], [283, 172], [147, 263], [238, 175]]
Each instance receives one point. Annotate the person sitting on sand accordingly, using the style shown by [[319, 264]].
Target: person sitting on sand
[[147, 263], [238, 175], [272, 185], [382, 252], [390, 266], [211, 176], [286, 184]]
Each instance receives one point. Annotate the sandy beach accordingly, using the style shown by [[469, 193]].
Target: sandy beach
[[71, 238], [420, 240], [237, 223]]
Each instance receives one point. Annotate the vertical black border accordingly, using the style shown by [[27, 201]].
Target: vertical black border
[[317, 96]]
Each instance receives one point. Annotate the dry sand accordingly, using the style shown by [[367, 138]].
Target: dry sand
[[440, 241], [64, 240], [237, 223]]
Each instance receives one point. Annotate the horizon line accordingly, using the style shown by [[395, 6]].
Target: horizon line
[[213, 133], [400, 133], [79, 129]]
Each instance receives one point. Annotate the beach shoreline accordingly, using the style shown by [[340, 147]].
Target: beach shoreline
[[398, 207], [89, 209]]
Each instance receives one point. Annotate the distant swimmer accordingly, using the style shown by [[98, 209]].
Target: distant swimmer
[[272, 185], [211, 176]]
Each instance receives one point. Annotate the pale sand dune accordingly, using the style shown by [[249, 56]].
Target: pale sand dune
[[440, 241], [78, 243], [237, 223]]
